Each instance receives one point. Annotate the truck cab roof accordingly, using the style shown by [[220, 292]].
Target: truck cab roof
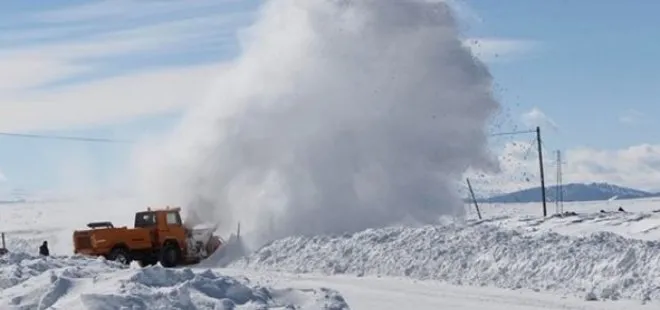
[[149, 218]]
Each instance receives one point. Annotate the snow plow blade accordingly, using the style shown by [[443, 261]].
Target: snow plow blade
[[208, 249], [230, 251]]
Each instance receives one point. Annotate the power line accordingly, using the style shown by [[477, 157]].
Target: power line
[[539, 143], [510, 133], [68, 138], [107, 140]]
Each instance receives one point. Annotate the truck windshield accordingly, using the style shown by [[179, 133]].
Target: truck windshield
[[145, 219], [173, 218]]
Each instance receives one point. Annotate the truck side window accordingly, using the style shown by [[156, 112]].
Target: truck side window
[[145, 219], [173, 218]]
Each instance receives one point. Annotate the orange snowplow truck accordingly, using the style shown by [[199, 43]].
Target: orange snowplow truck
[[158, 236]]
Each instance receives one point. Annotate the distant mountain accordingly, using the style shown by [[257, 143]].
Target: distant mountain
[[572, 192], [19, 195], [12, 196]]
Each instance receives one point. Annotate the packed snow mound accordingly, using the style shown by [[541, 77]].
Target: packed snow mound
[[604, 264], [29, 282]]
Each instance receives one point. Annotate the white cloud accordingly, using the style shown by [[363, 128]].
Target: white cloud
[[122, 93], [25, 70], [110, 99], [492, 50], [535, 117], [31, 66], [635, 166], [464, 12], [631, 117], [489, 49], [158, 29], [126, 9]]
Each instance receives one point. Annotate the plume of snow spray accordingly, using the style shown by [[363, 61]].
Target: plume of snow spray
[[339, 115]]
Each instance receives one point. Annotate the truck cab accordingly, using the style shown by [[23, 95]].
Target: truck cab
[[157, 236], [164, 224]]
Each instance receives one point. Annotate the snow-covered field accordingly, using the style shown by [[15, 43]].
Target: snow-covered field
[[511, 259], [641, 219]]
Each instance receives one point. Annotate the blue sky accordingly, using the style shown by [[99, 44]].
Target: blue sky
[[586, 71], [596, 64], [593, 78]]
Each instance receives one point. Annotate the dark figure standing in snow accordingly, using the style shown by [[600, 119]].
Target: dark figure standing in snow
[[43, 249]]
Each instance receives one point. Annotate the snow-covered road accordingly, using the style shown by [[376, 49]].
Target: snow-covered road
[[389, 293]]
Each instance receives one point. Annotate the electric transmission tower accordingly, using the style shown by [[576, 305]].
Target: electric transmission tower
[[559, 189]]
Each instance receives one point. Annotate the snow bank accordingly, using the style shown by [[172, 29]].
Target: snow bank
[[603, 263], [29, 282], [636, 225]]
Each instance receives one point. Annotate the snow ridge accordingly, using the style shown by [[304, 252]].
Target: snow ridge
[[602, 264], [79, 283]]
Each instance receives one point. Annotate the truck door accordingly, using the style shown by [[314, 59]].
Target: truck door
[[173, 227], [147, 220]]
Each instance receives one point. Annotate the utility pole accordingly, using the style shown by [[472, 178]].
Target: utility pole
[[474, 198], [540, 149]]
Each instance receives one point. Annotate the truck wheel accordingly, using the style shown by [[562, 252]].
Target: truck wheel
[[119, 255], [169, 256]]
